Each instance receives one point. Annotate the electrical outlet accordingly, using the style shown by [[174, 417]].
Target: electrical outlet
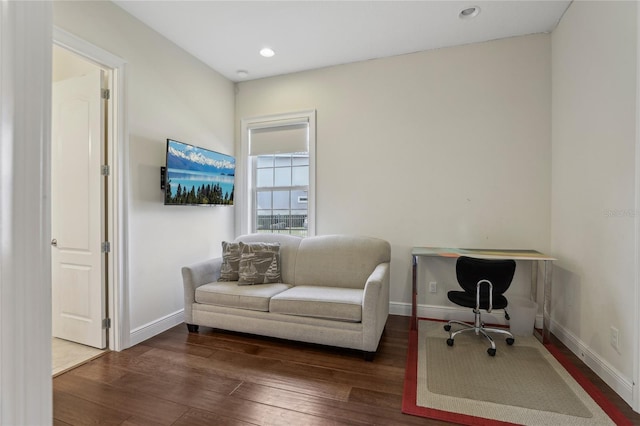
[[614, 338], [433, 287]]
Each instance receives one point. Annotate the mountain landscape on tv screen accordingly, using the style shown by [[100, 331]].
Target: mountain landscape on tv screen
[[197, 176]]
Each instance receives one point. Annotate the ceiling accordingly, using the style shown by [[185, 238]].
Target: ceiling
[[228, 35]]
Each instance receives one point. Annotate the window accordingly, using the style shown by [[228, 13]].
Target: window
[[280, 160], [282, 181]]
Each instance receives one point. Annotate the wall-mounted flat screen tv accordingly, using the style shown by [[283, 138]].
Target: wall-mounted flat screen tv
[[198, 177]]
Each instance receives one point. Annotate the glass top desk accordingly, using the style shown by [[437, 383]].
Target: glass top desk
[[527, 255]]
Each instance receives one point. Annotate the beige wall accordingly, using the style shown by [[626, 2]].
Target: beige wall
[[170, 94], [594, 168], [446, 147]]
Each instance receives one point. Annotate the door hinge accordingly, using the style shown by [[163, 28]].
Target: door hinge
[[105, 93], [106, 247], [106, 323], [105, 170]]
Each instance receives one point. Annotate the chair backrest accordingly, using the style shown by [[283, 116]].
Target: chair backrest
[[499, 272]]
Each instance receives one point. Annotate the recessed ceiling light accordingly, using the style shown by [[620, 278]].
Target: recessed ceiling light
[[469, 12], [242, 73], [267, 52]]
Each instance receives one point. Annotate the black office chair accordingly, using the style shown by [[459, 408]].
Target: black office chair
[[484, 281]]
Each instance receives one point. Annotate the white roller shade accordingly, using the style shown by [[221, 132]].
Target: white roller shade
[[279, 139]]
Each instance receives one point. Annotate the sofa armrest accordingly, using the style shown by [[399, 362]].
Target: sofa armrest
[[194, 276], [375, 306]]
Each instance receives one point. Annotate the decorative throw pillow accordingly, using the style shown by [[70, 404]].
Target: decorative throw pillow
[[259, 263], [230, 261]]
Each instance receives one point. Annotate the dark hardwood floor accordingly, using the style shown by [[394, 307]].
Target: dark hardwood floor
[[222, 378]]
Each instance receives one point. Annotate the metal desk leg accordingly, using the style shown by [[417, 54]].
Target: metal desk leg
[[533, 294], [546, 307], [547, 268], [414, 294]]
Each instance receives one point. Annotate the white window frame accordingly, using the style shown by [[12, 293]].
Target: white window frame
[[245, 212]]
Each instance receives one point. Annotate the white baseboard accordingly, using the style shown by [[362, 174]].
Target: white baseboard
[[621, 385], [147, 331], [402, 309], [452, 312]]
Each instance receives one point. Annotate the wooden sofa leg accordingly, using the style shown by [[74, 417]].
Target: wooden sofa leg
[[368, 356], [192, 328]]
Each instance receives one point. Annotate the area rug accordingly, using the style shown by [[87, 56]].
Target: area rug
[[527, 383]]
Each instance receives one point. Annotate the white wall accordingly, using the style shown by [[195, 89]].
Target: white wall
[[25, 233], [593, 195], [170, 94], [447, 147]]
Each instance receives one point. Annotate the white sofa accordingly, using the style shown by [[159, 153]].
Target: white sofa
[[334, 291]]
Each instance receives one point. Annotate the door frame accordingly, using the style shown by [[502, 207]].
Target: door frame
[[117, 157], [635, 403]]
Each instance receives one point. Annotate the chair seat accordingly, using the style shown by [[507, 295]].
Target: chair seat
[[469, 300]]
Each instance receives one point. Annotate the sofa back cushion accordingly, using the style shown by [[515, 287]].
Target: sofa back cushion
[[339, 260], [288, 250]]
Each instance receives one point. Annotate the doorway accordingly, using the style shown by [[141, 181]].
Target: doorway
[[80, 200], [117, 283], [87, 58]]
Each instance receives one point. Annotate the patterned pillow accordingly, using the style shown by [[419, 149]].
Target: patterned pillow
[[230, 261], [259, 263]]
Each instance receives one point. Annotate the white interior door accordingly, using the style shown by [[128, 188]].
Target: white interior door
[[77, 211]]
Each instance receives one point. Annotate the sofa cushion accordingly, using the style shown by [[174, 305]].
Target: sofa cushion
[[259, 263], [342, 304], [339, 260], [230, 261], [229, 294]]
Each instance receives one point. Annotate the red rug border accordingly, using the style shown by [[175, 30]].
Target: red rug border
[[409, 394]]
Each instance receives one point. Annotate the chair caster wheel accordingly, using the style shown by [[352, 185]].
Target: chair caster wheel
[[491, 352], [447, 327], [450, 342], [510, 341]]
